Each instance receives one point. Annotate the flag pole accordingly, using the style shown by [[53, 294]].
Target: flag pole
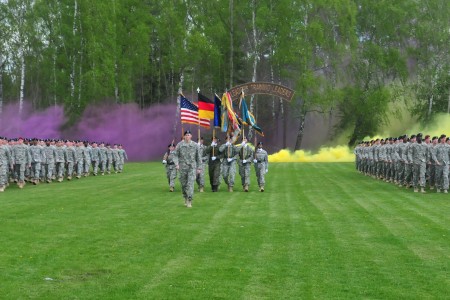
[[180, 93], [198, 104]]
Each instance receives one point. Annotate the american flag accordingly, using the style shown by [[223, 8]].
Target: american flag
[[189, 113]]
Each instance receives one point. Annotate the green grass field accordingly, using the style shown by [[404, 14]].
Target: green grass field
[[320, 230]]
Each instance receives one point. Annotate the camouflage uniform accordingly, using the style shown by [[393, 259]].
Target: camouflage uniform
[[408, 164], [229, 153], [441, 157], [60, 161], [171, 170], [109, 159], [419, 151], [245, 162], [49, 164], [36, 152], [86, 159], [261, 166], [401, 162], [21, 160], [214, 165], [95, 158], [201, 176], [5, 162], [123, 156], [115, 159], [79, 159], [71, 158], [187, 159], [103, 158]]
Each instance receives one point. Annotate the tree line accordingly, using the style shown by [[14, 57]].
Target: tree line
[[348, 58]]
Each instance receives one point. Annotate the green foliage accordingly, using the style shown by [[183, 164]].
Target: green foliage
[[320, 230]]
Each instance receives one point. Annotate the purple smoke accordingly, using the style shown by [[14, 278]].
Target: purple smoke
[[143, 133]]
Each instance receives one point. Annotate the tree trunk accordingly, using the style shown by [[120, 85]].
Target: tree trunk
[[1, 85], [54, 78], [283, 112], [22, 80], [448, 105], [72, 74], [300, 132]]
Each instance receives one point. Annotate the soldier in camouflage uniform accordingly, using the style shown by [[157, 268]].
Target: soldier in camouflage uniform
[[171, 170], [402, 160], [419, 150], [71, 158], [60, 160], [79, 158], [5, 163], [261, 162], [245, 161], [187, 159], [21, 159], [37, 153], [116, 158], [123, 156], [103, 158], [201, 176], [230, 154], [441, 157], [86, 159], [432, 150], [95, 158], [409, 162], [109, 158], [214, 164]]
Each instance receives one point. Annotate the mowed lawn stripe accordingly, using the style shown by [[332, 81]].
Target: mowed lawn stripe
[[319, 231], [392, 216]]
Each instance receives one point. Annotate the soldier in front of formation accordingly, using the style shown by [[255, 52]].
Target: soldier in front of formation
[[187, 161], [171, 170]]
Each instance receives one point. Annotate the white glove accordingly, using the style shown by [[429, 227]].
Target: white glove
[[255, 161], [227, 143], [164, 161], [244, 161], [213, 158], [243, 143], [213, 144], [229, 159], [267, 171]]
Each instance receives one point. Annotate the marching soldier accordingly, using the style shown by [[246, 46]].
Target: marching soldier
[[229, 153], [201, 176], [109, 158], [37, 153], [245, 161], [214, 164], [103, 158], [60, 160], [95, 158], [261, 165], [71, 158], [123, 156], [79, 159], [5, 163], [171, 170], [442, 161], [87, 158], [21, 159], [116, 158], [187, 160], [420, 164]]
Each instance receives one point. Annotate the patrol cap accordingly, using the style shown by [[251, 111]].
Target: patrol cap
[[413, 136], [170, 145], [442, 136], [434, 138], [187, 132], [427, 136], [260, 143]]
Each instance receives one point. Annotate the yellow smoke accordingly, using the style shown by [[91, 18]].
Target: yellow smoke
[[325, 154]]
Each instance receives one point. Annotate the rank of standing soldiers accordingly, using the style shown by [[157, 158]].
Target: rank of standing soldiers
[[37, 160], [414, 161]]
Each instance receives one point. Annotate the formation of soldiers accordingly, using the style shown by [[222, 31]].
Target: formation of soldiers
[[38, 160], [414, 161], [222, 161]]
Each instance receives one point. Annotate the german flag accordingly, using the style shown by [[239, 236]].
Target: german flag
[[205, 107]]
